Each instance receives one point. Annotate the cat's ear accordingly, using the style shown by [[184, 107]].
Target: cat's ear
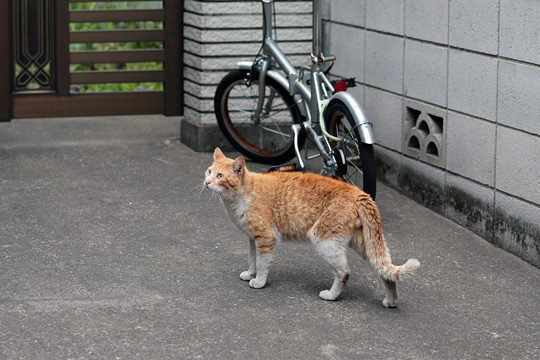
[[218, 153], [239, 165]]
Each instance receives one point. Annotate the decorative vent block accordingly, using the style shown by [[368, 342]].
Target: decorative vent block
[[423, 131]]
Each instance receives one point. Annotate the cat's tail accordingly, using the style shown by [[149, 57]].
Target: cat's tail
[[369, 242], [394, 273]]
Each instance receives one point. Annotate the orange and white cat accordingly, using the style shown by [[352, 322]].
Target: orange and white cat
[[331, 214]]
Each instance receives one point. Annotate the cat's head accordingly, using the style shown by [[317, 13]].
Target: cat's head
[[225, 176]]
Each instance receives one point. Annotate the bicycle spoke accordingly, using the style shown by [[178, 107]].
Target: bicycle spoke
[[238, 110], [276, 132], [271, 133], [352, 152], [357, 169]]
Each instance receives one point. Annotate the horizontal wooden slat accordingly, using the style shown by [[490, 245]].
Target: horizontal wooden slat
[[105, 77], [28, 106], [96, 57], [115, 15], [82, 1], [115, 36]]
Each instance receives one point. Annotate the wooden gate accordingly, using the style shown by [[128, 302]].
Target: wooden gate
[[90, 57]]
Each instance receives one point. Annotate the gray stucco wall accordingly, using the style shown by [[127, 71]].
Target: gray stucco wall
[[453, 88]]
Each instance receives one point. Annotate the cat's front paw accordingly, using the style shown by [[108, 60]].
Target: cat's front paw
[[247, 275], [387, 303], [328, 295], [256, 283]]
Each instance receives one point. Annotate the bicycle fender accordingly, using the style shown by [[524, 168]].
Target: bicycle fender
[[365, 128], [246, 65]]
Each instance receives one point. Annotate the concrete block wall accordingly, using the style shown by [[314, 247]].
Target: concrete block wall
[[470, 68], [217, 35]]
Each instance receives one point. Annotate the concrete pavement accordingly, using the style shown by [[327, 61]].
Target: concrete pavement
[[108, 250]]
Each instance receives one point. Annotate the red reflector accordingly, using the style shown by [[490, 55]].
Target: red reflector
[[341, 85]]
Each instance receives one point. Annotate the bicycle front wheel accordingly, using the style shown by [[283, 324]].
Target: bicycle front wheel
[[359, 165], [269, 139]]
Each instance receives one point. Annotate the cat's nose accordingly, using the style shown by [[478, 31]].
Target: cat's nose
[[206, 183]]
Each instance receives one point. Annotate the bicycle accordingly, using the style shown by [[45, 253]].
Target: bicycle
[[267, 108]]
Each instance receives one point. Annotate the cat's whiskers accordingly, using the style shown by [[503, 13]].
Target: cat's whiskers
[[202, 189]]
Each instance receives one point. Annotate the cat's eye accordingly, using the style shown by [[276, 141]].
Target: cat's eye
[[220, 176], [208, 171]]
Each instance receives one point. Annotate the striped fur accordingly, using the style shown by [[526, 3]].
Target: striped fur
[[331, 214]]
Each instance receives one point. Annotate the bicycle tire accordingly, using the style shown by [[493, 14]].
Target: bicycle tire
[[239, 134], [334, 116]]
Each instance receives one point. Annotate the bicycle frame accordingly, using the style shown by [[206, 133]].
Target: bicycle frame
[[314, 99]]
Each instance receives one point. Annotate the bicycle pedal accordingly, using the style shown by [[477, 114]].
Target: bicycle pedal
[[285, 168]]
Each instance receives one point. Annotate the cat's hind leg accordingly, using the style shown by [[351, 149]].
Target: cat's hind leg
[[264, 253], [334, 252], [251, 271], [390, 301]]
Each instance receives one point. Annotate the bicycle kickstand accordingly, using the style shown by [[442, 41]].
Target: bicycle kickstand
[[292, 167], [296, 129]]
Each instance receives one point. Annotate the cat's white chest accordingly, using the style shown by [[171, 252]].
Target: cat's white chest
[[237, 210]]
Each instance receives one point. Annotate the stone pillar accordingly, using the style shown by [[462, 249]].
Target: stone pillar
[[217, 35]]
